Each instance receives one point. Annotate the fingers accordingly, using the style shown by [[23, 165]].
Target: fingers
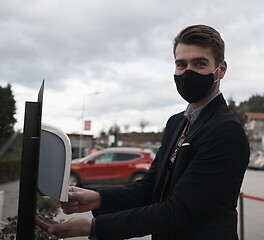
[[41, 223], [81, 200], [75, 189], [70, 211], [50, 221], [71, 189], [45, 223], [56, 228], [72, 228], [70, 204], [70, 207], [74, 195]]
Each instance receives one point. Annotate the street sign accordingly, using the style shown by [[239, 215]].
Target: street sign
[[87, 125]]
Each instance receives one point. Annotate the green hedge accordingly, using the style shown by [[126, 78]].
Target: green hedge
[[9, 170]]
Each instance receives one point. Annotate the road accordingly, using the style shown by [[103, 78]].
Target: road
[[253, 210]]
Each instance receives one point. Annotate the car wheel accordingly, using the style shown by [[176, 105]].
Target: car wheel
[[137, 176], [262, 166], [75, 180]]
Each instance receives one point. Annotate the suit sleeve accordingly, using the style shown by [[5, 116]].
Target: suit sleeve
[[129, 196]]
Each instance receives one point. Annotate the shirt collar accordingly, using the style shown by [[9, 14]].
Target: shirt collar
[[193, 115]]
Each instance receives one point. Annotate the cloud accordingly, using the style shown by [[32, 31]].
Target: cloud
[[122, 49]]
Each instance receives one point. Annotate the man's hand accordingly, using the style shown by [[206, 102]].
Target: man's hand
[[81, 200], [75, 227]]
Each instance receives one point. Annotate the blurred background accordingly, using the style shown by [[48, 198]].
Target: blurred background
[[108, 69]]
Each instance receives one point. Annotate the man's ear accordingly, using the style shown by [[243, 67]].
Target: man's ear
[[222, 69]]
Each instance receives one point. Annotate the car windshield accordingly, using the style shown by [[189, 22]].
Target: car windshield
[[255, 154]]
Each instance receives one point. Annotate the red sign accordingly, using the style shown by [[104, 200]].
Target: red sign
[[87, 125]]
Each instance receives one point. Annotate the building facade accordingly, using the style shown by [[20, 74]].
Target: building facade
[[254, 127]]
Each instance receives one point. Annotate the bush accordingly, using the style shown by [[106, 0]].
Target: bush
[[47, 207], [9, 170]]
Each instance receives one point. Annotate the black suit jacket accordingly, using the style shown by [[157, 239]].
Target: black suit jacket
[[204, 187]]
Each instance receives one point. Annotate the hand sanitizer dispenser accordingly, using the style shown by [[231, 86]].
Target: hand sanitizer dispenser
[[54, 163]]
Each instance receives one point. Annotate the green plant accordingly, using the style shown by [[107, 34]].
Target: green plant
[[47, 207], [8, 232]]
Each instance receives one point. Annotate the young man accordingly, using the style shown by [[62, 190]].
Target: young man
[[192, 187]]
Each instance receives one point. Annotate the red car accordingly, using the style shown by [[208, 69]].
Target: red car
[[110, 167]]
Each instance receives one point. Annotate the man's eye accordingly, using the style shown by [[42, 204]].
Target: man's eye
[[200, 64], [181, 65]]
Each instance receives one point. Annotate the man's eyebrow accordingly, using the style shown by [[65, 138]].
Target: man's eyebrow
[[180, 60], [200, 59], [193, 60]]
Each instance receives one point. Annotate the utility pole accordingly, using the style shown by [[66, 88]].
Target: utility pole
[[82, 123]]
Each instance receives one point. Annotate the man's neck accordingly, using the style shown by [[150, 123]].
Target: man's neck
[[196, 105]]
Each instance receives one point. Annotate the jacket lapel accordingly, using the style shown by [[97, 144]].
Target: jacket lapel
[[205, 115], [176, 129]]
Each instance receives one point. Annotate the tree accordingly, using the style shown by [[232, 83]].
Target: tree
[[143, 124], [126, 127], [7, 111], [115, 131], [235, 109], [254, 104]]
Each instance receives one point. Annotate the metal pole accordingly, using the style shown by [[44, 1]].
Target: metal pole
[[81, 145], [1, 205], [82, 123], [241, 218], [81, 133]]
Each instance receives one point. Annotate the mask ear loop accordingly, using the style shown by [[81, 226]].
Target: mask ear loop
[[214, 73]]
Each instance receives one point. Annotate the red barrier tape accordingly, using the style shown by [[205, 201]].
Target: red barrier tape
[[252, 197]]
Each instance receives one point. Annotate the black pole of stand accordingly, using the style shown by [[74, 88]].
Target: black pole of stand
[[29, 169], [28, 178]]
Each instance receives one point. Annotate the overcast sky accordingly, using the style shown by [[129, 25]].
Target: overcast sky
[[123, 50]]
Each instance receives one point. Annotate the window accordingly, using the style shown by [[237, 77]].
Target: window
[[104, 158], [125, 156]]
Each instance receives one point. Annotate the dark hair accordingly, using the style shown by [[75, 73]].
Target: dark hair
[[204, 36]]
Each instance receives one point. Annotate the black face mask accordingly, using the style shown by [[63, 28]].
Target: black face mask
[[193, 86]]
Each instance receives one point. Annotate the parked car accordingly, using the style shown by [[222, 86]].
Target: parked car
[[256, 160], [111, 166]]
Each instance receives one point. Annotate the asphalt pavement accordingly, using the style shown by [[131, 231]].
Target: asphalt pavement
[[253, 210]]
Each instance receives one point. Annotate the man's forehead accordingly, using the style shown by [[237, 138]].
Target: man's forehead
[[192, 51]]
